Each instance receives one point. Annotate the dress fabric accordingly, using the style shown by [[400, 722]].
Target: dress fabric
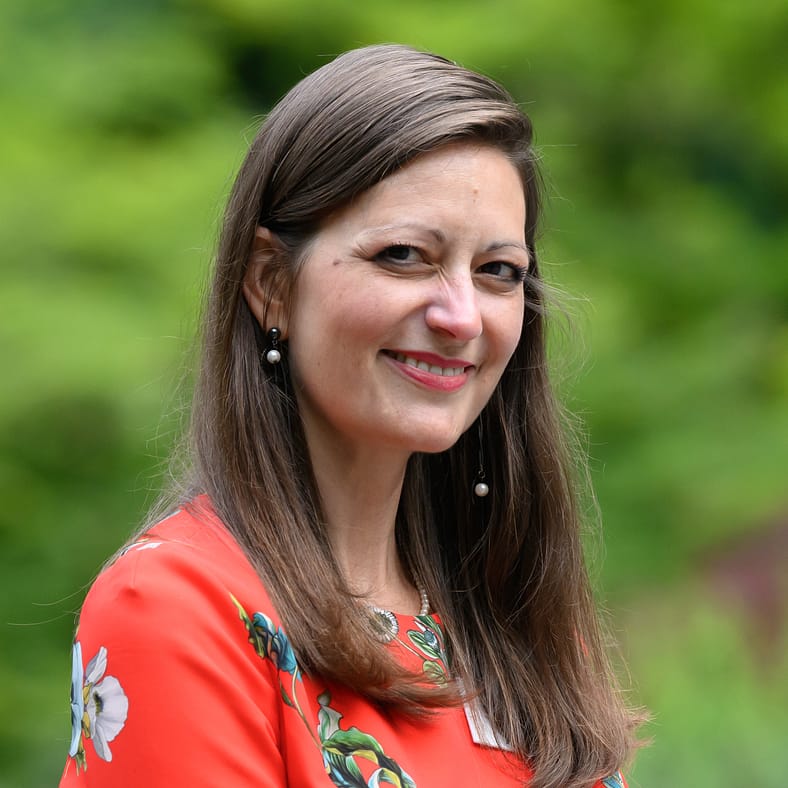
[[183, 676]]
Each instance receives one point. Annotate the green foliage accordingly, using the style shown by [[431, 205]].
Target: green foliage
[[662, 129], [720, 712]]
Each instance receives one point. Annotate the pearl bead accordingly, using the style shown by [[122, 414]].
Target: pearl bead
[[480, 490], [425, 602], [273, 356]]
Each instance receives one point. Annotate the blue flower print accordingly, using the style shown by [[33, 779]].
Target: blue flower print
[[278, 644], [270, 642]]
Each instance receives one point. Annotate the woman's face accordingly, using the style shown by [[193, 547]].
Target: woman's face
[[410, 304]]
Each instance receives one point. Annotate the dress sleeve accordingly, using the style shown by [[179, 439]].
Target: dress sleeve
[[166, 690]]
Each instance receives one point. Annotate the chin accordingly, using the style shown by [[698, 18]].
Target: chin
[[435, 444], [426, 433]]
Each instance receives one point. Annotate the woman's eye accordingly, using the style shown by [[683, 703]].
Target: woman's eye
[[507, 271], [398, 253]]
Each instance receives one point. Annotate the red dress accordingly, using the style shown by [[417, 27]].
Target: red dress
[[182, 676]]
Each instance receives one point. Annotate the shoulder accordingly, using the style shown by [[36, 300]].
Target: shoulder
[[163, 663], [182, 582], [185, 567], [193, 533]]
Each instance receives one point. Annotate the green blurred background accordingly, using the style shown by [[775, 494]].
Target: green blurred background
[[664, 132]]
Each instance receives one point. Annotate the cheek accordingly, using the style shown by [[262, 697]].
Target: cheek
[[358, 319], [514, 340], [509, 327], [333, 330]]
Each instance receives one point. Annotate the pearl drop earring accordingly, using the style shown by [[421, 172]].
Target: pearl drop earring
[[273, 355], [481, 488]]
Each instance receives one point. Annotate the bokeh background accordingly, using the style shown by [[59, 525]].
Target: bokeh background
[[664, 133]]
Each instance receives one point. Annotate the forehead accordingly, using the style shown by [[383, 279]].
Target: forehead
[[465, 182]]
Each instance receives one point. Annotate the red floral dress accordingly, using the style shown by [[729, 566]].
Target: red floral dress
[[182, 676]]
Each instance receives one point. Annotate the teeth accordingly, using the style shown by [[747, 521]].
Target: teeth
[[447, 372]]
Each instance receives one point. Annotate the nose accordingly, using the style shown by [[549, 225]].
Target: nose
[[454, 309]]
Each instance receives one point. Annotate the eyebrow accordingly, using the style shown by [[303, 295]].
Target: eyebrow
[[494, 247], [423, 228]]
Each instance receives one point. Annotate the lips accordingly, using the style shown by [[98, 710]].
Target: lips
[[431, 370]]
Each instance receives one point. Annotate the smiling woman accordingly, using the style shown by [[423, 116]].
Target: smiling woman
[[373, 572]]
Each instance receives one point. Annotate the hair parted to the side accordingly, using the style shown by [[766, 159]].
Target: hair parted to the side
[[506, 573]]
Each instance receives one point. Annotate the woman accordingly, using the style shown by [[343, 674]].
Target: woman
[[374, 575]]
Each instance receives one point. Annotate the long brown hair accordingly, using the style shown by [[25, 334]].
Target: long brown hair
[[506, 572]]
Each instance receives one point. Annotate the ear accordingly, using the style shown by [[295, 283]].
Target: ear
[[265, 281]]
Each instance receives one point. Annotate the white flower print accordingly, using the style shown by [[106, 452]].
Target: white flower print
[[99, 706], [77, 701], [142, 544]]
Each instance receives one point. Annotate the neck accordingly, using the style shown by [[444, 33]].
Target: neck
[[360, 497]]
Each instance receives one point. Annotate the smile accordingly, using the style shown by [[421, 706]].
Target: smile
[[430, 370], [447, 372]]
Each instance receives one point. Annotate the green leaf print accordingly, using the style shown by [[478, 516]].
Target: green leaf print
[[429, 641], [428, 622], [435, 672], [354, 742], [259, 638], [285, 696], [422, 644], [341, 748]]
